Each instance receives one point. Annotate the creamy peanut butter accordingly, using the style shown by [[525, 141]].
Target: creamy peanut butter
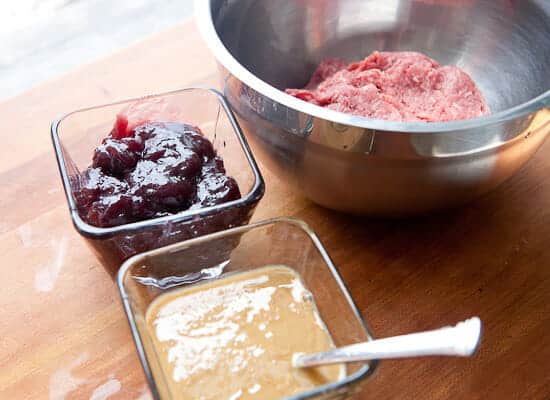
[[234, 338]]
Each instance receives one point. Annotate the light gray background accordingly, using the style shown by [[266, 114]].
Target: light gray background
[[41, 39]]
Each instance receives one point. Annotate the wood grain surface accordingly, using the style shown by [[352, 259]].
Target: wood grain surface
[[63, 332]]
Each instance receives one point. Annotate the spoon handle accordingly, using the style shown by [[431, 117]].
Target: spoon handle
[[459, 340]]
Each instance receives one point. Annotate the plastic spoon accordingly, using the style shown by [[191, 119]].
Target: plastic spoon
[[460, 340]]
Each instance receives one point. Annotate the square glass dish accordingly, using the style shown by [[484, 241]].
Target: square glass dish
[[288, 242], [76, 135]]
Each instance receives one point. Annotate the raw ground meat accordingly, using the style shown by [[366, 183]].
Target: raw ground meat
[[397, 86]]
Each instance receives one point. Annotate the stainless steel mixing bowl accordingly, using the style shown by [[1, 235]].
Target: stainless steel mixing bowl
[[375, 167]]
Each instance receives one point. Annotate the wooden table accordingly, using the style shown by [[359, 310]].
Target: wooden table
[[63, 332]]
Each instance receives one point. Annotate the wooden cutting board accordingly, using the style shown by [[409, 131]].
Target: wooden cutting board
[[63, 332]]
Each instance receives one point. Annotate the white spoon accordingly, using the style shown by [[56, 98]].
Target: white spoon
[[459, 340]]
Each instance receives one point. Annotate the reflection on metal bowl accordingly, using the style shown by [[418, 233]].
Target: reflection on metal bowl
[[376, 167]]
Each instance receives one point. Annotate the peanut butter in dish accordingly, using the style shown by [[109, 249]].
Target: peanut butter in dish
[[233, 338]]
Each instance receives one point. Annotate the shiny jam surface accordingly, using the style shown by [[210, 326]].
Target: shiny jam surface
[[153, 170], [234, 338]]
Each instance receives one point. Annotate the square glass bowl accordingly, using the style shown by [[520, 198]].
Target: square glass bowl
[[281, 241], [77, 134]]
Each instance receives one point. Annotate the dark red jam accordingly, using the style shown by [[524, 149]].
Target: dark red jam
[[153, 170]]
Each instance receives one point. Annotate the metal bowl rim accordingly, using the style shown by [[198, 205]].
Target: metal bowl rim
[[208, 31]]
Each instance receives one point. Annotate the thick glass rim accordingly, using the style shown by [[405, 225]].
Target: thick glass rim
[[364, 372], [253, 195]]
